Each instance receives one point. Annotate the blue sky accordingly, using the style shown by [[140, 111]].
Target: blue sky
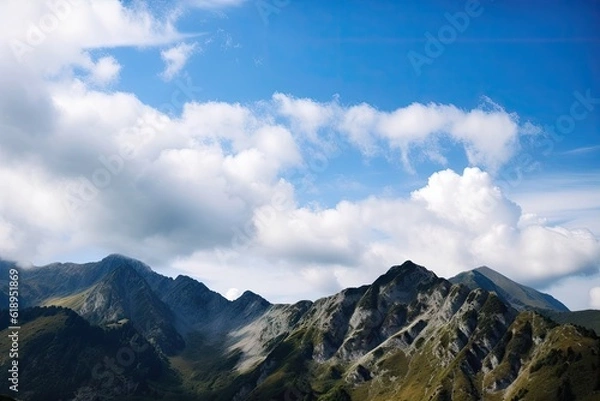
[[530, 63], [296, 148]]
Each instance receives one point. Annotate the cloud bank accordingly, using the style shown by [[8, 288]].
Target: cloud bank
[[211, 190]]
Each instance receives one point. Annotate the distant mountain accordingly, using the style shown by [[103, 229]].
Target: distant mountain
[[517, 295], [409, 335], [123, 295], [589, 319]]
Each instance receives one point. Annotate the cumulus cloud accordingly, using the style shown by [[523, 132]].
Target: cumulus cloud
[[488, 134], [595, 298], [105, 71], [455, 222], [211, 197], [48, 43], [175, 59], [306, 115], [452, 222], [57, 33]]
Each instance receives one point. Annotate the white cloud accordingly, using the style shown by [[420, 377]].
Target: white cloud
[[215, 183], [595, 298], [232, 294], [489, 137], [7, 237], [357, 123], [306, 115], [105, 71], [455, 222], [46, 36], [470, 201], [175, 59]]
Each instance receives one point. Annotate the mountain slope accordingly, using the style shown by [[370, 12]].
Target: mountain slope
[[519, 296], [187, 302], [61, 355], [59, 280], [123, 295], [589, 319], [409, 335]]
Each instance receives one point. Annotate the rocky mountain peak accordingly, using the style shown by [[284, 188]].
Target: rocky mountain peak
[[407, 276], [186, 281], [116, 260], [249, 297]]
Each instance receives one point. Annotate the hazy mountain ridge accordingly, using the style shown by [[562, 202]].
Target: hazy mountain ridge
[[409, 335]]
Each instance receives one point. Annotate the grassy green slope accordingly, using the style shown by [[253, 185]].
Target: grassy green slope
[[535, 359]]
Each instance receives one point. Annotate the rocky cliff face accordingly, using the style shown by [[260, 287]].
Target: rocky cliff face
[[410, 335], [123, 295]]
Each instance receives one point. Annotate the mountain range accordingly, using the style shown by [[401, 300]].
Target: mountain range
[[115, 329]]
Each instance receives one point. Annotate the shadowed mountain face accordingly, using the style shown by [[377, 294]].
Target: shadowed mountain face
[[409, 335], [62, 356], [517, 295], [123, 295]]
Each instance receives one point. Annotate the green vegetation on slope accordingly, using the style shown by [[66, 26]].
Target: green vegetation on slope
[[61, 354]]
